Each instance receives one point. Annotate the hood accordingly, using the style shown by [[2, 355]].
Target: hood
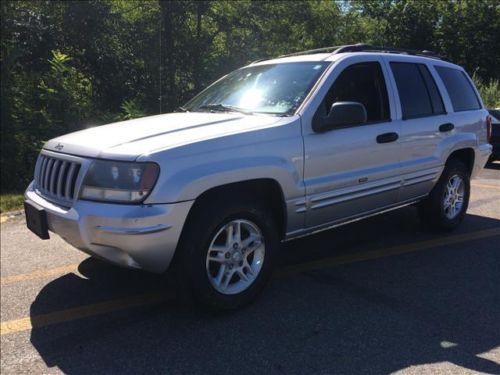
[[127, 140]]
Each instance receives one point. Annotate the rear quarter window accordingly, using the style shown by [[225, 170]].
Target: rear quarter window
[[460, 90]]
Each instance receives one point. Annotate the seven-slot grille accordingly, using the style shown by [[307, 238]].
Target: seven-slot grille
[[56, 178]]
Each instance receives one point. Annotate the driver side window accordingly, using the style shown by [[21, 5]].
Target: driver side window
[[363, 83]]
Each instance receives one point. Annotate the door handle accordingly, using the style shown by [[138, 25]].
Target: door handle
[[446, 127], [387, 137]]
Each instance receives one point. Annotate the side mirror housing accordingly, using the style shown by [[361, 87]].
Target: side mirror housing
[[342, 114]]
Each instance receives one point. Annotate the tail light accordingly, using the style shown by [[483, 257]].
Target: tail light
[[488, 128]]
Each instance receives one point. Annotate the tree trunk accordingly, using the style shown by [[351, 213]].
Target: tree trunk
[[167, 53], [197, 64]]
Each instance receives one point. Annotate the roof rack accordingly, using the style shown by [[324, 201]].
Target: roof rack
[[361, 47], [405, 51], [311, 51]]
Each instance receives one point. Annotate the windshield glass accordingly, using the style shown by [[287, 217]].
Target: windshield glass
[[275, 89]]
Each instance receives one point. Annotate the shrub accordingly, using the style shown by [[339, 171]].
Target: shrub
[[489, 91]]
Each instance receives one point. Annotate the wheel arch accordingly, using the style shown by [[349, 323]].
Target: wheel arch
[[465, 155], [261, 190]]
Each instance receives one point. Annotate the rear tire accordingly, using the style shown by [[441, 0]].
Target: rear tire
[[446, 205], [222, 270]]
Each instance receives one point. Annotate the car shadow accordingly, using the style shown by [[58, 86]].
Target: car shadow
[[438, 305]]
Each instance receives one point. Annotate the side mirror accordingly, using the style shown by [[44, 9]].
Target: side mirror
[[343, 114]]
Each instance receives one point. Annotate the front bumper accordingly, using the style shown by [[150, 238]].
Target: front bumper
[[133, 236]]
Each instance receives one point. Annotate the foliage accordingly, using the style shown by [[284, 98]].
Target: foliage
[[41, 106], [73, 64], [65, 94], [489, 91]]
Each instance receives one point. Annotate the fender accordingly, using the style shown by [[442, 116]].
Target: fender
[[455, 142], [190, 183], [273, 153]]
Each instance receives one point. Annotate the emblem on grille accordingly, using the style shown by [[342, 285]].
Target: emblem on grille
[[59, 147]]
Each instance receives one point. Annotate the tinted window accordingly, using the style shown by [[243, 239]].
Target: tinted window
[[363, 83], [436, 100], [462, 95], [413, 92]]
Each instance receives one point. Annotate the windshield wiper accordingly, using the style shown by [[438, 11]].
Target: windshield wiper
[[181, 109], [223, 108]]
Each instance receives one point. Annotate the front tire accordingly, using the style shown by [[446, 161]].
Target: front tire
[[446, 205], [227, 253]]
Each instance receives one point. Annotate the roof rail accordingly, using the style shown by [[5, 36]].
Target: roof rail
[[406, 51], [311, 51], [258, 60], [361, 47]]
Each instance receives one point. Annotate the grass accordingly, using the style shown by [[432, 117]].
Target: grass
[[11, 202]]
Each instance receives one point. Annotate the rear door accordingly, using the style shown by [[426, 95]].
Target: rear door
[[348, 172], [438, 110], [423, 123]]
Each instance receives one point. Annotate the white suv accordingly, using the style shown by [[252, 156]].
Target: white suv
[[272, 151]]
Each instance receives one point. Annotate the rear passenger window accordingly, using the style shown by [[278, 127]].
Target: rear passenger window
[[462, 95], [417, 90]]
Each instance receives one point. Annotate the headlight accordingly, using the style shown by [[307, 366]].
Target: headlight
[[119, 181]]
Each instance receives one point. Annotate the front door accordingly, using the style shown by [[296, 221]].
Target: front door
[[352, 170]]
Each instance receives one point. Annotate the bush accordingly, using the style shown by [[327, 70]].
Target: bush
[[39, 106], [66, 95], [489, 91]]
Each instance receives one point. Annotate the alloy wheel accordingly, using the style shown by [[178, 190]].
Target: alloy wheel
[[235, 257], [453, 197]]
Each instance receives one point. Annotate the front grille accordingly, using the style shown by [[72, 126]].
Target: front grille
[[56, 178]]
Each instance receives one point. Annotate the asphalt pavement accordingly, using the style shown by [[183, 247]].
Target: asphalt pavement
[[378, 296]]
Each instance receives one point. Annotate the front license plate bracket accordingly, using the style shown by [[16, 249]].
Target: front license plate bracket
[[36, 220]]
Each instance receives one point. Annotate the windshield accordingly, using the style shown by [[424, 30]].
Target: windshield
[[276, 89]]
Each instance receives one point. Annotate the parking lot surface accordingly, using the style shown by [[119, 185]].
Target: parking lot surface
[[377, 296]]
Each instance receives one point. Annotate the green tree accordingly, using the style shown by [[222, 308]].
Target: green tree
[[70, 64]]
